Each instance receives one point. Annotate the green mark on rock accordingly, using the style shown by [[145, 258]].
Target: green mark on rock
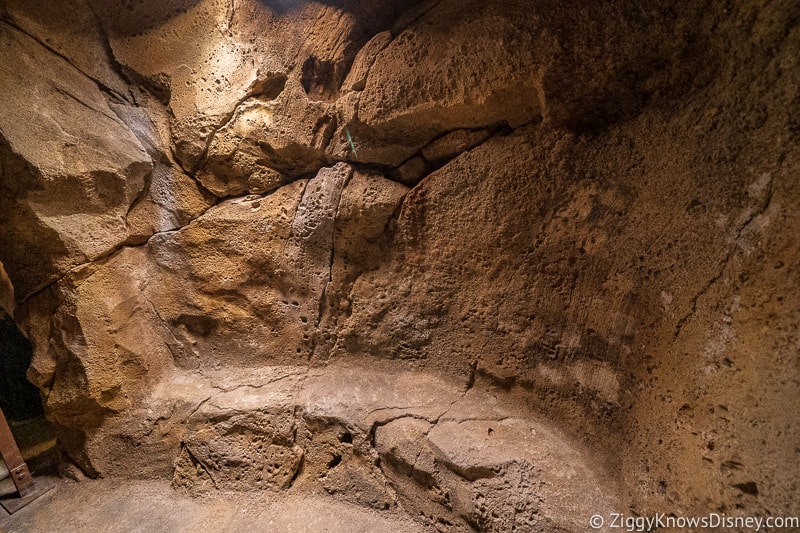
[[350, 140]]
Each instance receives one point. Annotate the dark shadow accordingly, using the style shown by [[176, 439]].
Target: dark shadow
[[29, 249], [372, 16], [19, 398], [134, 17]]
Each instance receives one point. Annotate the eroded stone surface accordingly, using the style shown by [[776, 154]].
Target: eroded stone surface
[[268, 137], [421, 85], [71, 31], [484, 468], [288, 429], [71, 167], [7, 303], [240, 440], [598, 239], [209, 57]]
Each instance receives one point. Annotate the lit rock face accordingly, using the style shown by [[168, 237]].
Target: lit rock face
[[500, 266], [85, 169], [7, 303], [223, 66], [71, 167]]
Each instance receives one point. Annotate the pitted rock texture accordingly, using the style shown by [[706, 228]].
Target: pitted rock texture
[[387, 437], [501, 266], [243, 449]]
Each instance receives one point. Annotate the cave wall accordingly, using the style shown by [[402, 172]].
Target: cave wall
[[589, 210]]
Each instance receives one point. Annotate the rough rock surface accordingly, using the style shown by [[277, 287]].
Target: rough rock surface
[[7, 301], [500, 266], [85, 171], [71, 167], [152, 505]]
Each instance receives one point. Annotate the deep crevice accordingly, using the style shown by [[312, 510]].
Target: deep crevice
[[19, 398]]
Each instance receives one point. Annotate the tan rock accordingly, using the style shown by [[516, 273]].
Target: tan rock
[[499, 473], [363, 486], [107, 340], [453, 144], [170, 198], [366, 206], [218, 311], [242, 284], [375, 397], [365, 209], [243, 440], [189, 57], [72, 31], [7, 303], [265, 138], [73, 167], [357, 77], [207, 59], [412, 171], [421, 86], [602, 250], [401, 442]]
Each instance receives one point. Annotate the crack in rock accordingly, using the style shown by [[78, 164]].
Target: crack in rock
[[734, 243]]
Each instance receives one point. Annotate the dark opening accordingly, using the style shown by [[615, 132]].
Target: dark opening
[[322, 79], [21, 402], [19, 398], [334, 461]]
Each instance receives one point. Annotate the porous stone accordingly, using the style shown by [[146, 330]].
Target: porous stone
[[238, 248], [267, 139], [242, 440], [598, 244], [420, 85], [453, 144], [71, 167], [208, 58], [170, 199]]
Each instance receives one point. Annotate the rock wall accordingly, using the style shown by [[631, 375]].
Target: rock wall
[[501, 266]]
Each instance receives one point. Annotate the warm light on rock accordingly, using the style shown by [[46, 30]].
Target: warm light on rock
[[433, 265]]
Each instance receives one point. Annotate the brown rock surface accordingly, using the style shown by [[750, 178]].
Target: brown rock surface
[[245, 281], [7, 302], [586, 302], [71, 167], [423, 83], [72, 32], [87, 170], [240, 440], [276, 134], [209, 57]]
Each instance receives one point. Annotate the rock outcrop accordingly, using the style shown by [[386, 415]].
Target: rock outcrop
[[7, 300], [501, 266]]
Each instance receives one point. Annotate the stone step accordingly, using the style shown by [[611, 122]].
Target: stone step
[[380, 438]]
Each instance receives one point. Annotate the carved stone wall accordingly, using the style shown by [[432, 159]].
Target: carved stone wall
[[497, 264]]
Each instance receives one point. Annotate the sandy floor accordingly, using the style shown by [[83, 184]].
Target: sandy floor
[[107, 505]]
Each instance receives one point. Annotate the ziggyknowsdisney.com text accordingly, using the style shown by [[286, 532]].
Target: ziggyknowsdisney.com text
[[712, 520]]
